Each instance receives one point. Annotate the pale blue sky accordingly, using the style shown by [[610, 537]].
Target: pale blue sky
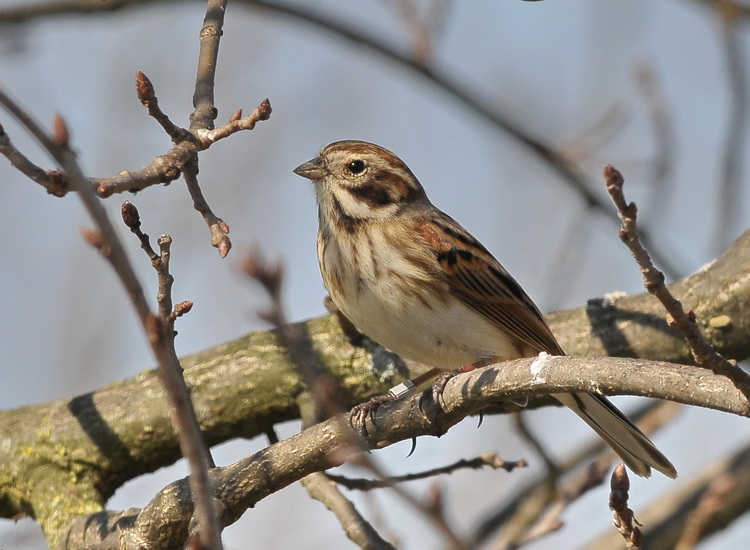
[[553, 68]]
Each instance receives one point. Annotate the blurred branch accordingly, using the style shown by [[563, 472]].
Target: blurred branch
[[320, 399], [710, 504], [453, 87], [665, 521], [553, 470], [512, 519], [735, 143], [465, 97], [662, 125], [550, 521]]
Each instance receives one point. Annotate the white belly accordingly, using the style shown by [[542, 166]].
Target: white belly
[[445, 336]]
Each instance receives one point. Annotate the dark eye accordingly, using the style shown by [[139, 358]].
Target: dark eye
[[356, 166]]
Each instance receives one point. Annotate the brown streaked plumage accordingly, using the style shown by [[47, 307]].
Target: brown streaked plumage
[[414, 280]]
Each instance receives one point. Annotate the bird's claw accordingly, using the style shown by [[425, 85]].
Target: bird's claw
[[434, 395], [360, 413]]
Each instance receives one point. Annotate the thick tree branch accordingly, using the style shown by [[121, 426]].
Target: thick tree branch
[[325, 445]]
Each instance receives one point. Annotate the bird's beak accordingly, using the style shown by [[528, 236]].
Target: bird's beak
[[312, 169]]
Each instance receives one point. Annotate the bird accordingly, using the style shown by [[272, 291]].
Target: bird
[[412, 279]]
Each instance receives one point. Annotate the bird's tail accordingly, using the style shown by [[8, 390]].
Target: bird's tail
[[630, 443]]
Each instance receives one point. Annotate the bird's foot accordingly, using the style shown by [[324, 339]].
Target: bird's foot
[[360, 413]]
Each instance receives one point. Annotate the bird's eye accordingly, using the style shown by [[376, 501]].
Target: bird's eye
[[356, 166]]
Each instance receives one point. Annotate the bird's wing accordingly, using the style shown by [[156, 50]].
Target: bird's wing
[[481, 282]]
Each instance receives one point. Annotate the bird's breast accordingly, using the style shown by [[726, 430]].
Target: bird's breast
[[403, 303]]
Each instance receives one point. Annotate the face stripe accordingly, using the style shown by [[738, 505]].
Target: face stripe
[[376, 196], [348, 223]]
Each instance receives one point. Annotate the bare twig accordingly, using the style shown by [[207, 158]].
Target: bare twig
[[168, 167], [210, 36], [169, 368], [653, 279], [491, 460], [665, 520], [219, 229], [553, 470], [160, 262], [236, 123], [623, 519], [52, 180], [147, 96]]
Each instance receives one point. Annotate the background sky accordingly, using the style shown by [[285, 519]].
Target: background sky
[[564, 72]]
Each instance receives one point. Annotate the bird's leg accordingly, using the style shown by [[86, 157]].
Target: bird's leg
[[435, 393], [361, 412]]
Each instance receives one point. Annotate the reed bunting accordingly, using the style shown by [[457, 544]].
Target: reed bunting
[[412, 279]]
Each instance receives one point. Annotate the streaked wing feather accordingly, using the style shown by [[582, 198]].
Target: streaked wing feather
[[482, 283]]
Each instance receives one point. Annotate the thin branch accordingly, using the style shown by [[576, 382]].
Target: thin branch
[[52, 180], [553, 470], [550, 521], [236, 123], [491, 460], [735, 142], [321, 400], [147, 96], [703, 353], [666, 519], [218, 228], [710, 504], [210, 36]]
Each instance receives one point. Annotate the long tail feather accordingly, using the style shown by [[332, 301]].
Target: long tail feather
[[631, 444]]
